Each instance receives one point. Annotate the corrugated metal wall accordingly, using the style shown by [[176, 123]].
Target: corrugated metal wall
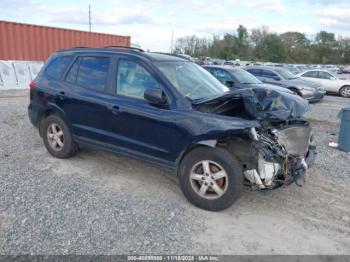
[[36, 43]]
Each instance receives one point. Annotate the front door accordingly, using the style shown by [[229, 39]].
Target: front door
[[137, 125]]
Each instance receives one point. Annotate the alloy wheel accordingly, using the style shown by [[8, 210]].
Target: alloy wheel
[[55, 137], [345, 92], [208, 179]]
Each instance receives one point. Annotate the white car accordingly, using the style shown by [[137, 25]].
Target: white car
[[329, 81]]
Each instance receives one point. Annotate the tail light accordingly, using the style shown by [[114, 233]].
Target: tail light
[[32, 85]]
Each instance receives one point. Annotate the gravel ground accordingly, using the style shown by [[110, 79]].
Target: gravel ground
[[99, 203]]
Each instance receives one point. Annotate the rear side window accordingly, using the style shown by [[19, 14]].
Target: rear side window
[[312, 74], [255, 72], [58, 66], [89, 72], [268, 73]]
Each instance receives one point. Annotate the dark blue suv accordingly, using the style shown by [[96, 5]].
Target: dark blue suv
[[171, 112]]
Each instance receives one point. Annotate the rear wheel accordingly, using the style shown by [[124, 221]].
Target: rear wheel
[[210, 178], [345, 91], [57, 137]]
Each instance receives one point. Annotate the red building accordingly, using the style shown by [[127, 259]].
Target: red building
[[35, 43]]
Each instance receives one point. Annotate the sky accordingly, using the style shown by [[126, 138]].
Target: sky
[[152, 23]]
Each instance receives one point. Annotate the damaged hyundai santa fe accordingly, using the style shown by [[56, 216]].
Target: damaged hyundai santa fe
[[168, 111]]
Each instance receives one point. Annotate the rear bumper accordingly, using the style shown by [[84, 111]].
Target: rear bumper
[[33, 115]]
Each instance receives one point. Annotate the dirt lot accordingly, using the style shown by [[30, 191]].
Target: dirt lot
[[98, 203]]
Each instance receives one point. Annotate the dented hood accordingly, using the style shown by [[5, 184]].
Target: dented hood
[[263, 103]]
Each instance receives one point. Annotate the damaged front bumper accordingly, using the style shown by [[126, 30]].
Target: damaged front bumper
[[283, 156]]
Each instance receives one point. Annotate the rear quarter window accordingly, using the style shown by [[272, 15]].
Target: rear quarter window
[[58, 66]]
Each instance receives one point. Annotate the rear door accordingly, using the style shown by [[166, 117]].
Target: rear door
[[85, 97]]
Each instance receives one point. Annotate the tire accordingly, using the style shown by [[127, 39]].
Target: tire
[[217, 158], [67, 147], [345, 91]]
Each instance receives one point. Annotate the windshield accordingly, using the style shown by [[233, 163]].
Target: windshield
[[285, 74], [245, 77], [191, 80]]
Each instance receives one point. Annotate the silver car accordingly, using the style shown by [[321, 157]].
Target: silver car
[[309, 90], [329, 81]]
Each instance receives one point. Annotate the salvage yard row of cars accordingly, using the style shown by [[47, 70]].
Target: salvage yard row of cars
[[217, 128], [310, 84]]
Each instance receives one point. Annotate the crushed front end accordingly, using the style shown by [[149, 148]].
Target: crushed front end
[[283, 151], [280, 148]]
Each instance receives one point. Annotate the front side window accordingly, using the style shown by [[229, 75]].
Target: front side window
[[58, 66], [133, 79], [93, 72], [285, 74], [245, 77], [191, 80], [325, 75]]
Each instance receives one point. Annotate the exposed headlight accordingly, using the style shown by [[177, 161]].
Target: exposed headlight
[[295, 139], [307, 88]]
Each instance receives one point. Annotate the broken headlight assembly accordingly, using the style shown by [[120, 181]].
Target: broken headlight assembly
[[280, 156]]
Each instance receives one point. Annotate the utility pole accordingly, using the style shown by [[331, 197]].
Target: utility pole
[[89, 18], [172, 41]]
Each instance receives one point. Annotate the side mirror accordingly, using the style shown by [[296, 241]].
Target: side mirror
[[155, 96], [229, 83], [277, 78]]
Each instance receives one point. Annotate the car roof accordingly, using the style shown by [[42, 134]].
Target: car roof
[[155, 57], [229, 68], [264, 67]]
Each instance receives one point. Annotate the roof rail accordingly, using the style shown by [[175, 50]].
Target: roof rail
[[179, 56], [124, 47]]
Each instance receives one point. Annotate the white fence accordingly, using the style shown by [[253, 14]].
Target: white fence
[[18, 74]]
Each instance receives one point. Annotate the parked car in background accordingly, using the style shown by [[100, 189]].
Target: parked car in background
[[331, 68], [171, 112], [231, 63], [309, 90], [346, 70], [294, 70], [330, 82], [236, 78]]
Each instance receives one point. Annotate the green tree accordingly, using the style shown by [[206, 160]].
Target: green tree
[[242, 41]]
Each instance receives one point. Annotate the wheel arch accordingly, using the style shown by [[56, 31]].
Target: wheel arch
[[236, 145], [51, 110], [295, 89], [340, 89]]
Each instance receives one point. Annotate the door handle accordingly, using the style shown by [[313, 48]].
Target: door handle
[[115, 109], [61, 95]]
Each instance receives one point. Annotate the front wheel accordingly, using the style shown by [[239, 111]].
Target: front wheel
[[210, 178], [345, 91]]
